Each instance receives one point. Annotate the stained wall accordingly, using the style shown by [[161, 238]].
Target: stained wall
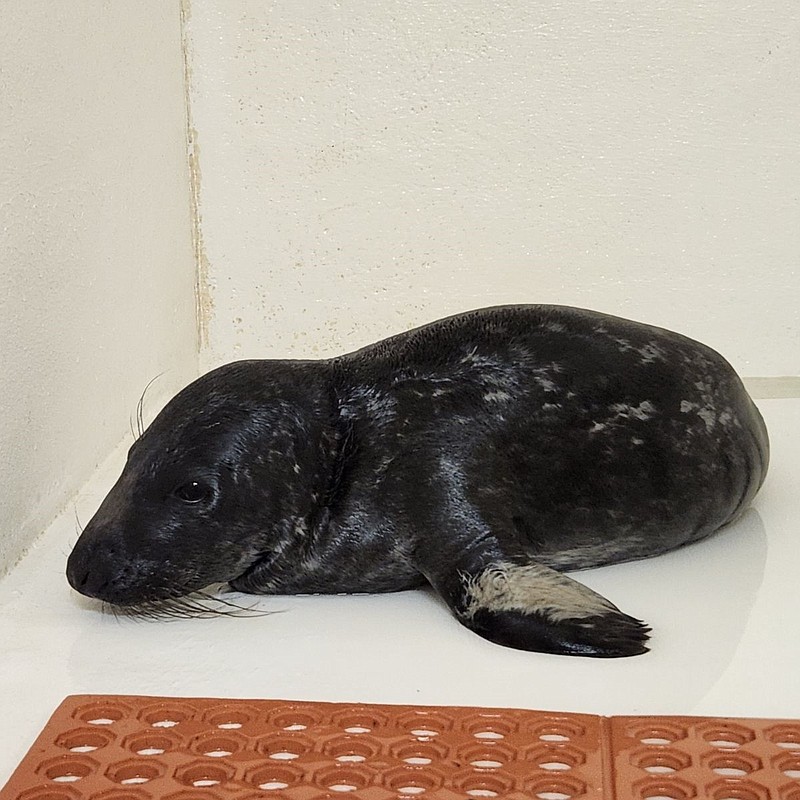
[[367, 166]]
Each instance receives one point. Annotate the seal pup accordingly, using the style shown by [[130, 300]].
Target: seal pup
[[485, 453]]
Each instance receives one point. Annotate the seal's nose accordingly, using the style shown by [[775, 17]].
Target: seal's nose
[[81, 577]]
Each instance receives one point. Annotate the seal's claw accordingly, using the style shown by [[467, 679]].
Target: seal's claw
[[611, 635]]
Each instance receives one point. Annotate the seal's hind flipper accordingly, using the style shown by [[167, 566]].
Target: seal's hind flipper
[[533, 607]]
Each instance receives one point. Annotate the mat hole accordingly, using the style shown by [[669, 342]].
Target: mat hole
[[84, 741], [356, 729], [792, 773], [728, 737], [488, 735], [659, 769], [200, 775], [218, 753], [484, 763], [553, 795], [554, 737], [133, 772], [424, 732], [68, 773], [483, 793], [228, 726], [655, 740], [296, 727], [150, 743], [164, 723], [412, 782], [342, 787], [284, 755], [351, 757], [101, 714], [272, 785]]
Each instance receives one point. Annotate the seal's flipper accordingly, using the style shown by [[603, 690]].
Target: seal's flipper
[[533, 607]]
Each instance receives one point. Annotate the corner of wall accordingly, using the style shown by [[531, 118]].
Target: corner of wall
[[97, 269]]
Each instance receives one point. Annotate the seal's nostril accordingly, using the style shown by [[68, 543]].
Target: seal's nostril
[[78, 577], [81, 576], [88, 583]]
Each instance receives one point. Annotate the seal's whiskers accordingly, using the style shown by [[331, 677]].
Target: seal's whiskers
[[201, 604]]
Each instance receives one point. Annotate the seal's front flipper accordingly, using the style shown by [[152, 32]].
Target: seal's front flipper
[[533, 607]]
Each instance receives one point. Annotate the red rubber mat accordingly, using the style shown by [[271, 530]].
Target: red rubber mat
[[142, 748]]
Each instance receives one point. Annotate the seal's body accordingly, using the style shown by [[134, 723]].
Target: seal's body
[[483, 453]]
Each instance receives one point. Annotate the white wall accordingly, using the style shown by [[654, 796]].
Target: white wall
[[96, 262], [363, 168], [370, 166]]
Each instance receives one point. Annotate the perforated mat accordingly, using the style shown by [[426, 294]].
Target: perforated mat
[[143, 748]]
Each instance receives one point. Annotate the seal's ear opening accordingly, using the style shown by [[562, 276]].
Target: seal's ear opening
[[533, 607]]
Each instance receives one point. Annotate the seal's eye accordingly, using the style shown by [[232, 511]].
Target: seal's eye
[[193, 492]]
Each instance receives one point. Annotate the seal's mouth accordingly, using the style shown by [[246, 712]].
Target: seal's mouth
[[246, 581]]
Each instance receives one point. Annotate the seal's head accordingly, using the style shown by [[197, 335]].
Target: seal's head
[[219, 479]]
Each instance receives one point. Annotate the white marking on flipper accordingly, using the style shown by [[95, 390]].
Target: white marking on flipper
[[532, 589]]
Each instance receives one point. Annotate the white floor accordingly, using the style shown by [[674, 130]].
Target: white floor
[[725, 614]]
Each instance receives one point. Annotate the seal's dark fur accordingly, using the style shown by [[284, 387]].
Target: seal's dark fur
[[484, 453]]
